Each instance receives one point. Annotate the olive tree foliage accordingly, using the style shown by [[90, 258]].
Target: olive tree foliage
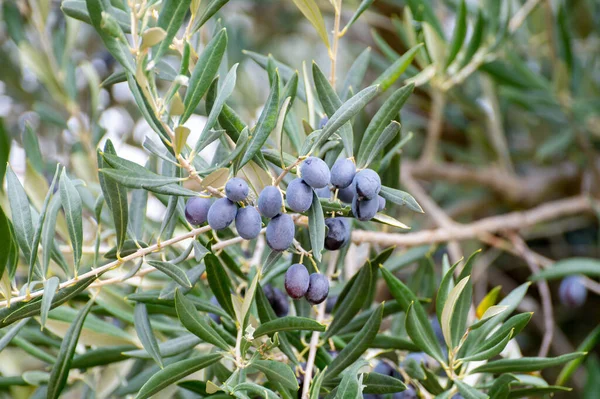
[[108, 303]]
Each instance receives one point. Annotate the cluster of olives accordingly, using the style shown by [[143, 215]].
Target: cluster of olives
[[222, 212], [361, 189], [298, 284]]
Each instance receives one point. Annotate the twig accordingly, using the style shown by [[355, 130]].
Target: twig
[[437, 214], [314, 340], [535, 187], [460, 232], [521, 15], [96, 272], [495, 126], [434, 128], [287, 170], [544, 291], [337, 5]]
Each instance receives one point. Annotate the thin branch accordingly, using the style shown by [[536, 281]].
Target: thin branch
[[460, 232], [314, 340], [96, 272], [337, 5], [437, 214], [536, 186], [521, 15], [434, 128], [544, 291]]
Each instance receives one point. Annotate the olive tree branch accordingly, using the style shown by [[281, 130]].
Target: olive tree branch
[[314, 340], [544, 291]]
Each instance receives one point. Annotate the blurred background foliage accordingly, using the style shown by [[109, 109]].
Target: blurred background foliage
[[519, 129]]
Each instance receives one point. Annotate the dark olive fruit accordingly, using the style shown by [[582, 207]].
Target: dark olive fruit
[[236, 189], [367, 184], [347, 194], [330, 304], [280, 232], [572, 292], [222, 213], [342, 173], [385, 369], [323, 192], [381, 203], [296, 280], [196, 210], [315, 172], [408, 393], [437, 329], [364, 209], [299, 195], [338, 233], [215, 317], [318, 288], [248, 222], [270, 202], [323, 121], [277, 299]]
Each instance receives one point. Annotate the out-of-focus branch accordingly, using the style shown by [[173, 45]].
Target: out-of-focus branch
[[434, 128], [459, 232], [537, 186], [544, 291], [437, 214]]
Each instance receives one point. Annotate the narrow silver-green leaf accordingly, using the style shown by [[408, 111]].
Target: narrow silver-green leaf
[[210, 10], [351, 300], [170, 19], [40, 225], [448, 311], [420, 335], [388, 134], [388, 112], [174, 372], [188, 315], [393, 72], [400, 197], [20, 213], [566, 267], [356, 73], [357, 345], [144, 332], [364, 4], [224, 93], [8, 335], [316, 227], [526, 364], [491, 352], [349, 109], [469, 392], [71, 203], [460, 31], [219, 282], [168, 348], [419, 321], [277, 372], [288, 323], [204, 72], [331, 103], [50, 288], [266, 123], [60, 370], [173, 271], [311, 11], [119, 49], [115, 196]]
